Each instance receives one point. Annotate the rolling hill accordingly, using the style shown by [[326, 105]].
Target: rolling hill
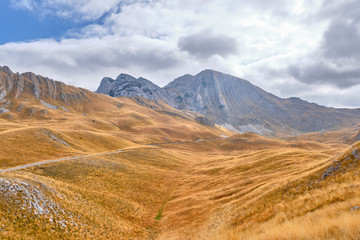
[[138, 168], [62, 120]]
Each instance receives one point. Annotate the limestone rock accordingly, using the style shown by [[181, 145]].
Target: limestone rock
[[126, 85], [42, 88], [204, 120], [233, 103]]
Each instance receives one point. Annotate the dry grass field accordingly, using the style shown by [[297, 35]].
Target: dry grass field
[[174, 179], [113, 197]]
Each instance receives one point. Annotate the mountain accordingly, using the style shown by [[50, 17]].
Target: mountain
[[30, 97], [126, 85], [42, 120], [21, 92], [18, 85], [75, 164], [235, 103]]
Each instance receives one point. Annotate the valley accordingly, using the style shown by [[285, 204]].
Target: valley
[[81, 165]]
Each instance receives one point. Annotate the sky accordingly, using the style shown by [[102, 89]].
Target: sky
[[301, 48]]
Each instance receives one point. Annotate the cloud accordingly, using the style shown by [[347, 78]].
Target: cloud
[[332, 97], [206, 44], [338, 9], [291, 48], [326, 72], [342, 39], [23, 4], [79, 10], [84, 62], [337, 60]]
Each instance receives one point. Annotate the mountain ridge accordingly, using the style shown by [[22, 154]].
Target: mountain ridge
[[239, 105], [16, 84]]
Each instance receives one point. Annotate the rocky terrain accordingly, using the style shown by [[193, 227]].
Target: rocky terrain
[[234, 103], [22, 94], [126, 85], [15, 85]]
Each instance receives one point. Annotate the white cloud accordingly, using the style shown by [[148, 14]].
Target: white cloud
[[75, 9], [23, 4], [141, 38]]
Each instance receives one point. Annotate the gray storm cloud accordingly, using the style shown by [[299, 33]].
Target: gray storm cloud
[[341, 40], [337, 61], [206, 44]]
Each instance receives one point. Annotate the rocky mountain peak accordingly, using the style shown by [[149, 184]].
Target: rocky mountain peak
[[106, 85], [237, 104], [208, 73], [124, 76], [129, 86], [6, 70]]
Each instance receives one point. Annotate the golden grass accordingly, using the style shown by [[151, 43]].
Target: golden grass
[[217, 192], [112, 197], [192, 185], [194, 190], [98, 125], [307, 208]]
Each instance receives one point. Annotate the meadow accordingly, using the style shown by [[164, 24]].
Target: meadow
[[174, 178]]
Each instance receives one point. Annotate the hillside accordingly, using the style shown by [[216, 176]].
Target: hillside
[[62, 120], [235, 103], [250, 188], [132, 168]]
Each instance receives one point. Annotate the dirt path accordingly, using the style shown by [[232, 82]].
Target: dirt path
[[98, 154], [58, 160], [184, 142]]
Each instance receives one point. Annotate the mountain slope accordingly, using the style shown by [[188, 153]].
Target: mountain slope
[[239, 105], [167, 176], [43, 119], [19, 93]]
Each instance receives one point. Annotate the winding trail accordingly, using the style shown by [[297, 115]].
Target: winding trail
[[99, 154], [184, 142], [58, 160]]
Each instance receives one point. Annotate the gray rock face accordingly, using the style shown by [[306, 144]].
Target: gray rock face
[[20, 86], [231, 101], [234, 103], [35, 82], [106, 85], [15, 84], [126, 85], [6, 70], [6, 82], [204, 120], [222, 98]]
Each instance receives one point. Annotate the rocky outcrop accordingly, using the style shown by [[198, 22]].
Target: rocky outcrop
[[35, 83], [204, 121], [234, 103], [106, 85], [6, 70], [20, 86], [23, 86], [28, 199], [348, 162], [126, 85]]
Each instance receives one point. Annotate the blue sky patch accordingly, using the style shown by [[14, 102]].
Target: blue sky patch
[[20, 25]]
